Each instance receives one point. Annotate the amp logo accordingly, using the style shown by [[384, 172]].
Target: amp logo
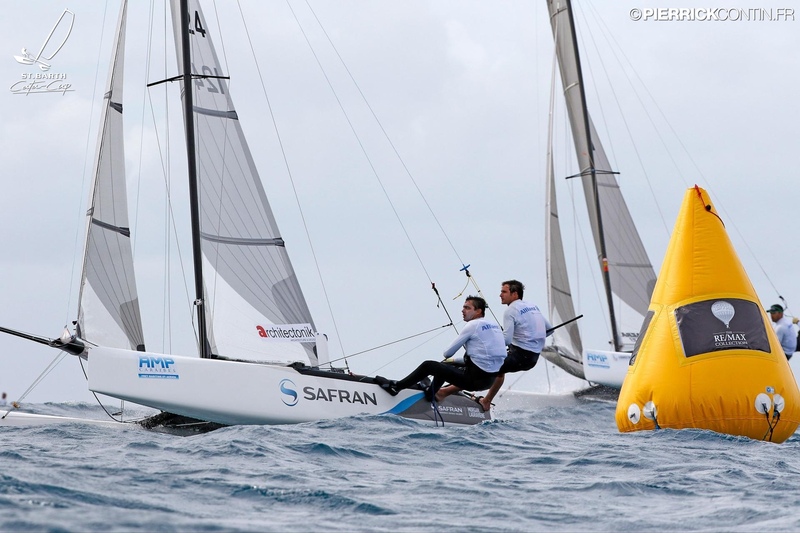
[[154, 367], [597, 360], [150, 362]]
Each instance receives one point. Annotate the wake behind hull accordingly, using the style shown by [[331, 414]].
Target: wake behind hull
[[232, 392]]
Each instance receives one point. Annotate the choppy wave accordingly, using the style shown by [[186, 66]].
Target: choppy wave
[[545, 464]]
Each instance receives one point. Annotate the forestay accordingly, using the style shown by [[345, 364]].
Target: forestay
[[249, 280], [108, 304]]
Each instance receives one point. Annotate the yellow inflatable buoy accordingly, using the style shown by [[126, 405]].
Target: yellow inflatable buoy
[[707, 356]]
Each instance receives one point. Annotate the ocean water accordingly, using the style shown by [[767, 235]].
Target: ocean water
[[548, 463]]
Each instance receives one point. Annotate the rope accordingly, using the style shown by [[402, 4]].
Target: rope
[[390, 343], [49, 368], [776, 417], [437, 416], [440, 303], [471, 279]]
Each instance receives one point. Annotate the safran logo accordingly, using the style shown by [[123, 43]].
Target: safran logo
[[287, 387]]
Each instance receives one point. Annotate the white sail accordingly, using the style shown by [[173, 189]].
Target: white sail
[[249, 280], [108, 305], [631, 275]]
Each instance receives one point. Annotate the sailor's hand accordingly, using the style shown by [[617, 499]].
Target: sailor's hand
[[795, 320]]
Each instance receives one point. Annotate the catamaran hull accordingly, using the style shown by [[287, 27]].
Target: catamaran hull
[[606, 368], [232, 392]]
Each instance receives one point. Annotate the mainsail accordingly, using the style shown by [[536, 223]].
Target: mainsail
[[108, 304], [249, 280], [630, 275]]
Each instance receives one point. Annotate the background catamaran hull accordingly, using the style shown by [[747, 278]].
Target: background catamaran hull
[[17, 418], [606, 368], [232, 392]]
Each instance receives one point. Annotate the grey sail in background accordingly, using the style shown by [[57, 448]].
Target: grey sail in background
[[108, 305], [249, 280], [631, 274]]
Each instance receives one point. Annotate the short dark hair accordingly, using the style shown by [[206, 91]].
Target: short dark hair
[[515, 286], [477, 303]]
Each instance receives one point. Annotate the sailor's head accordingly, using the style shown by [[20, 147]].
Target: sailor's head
[[474, 307], [775, 312], [510, 291]]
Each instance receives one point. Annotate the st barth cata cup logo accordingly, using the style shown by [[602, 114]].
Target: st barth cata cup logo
[[52, 43], [42, 80]]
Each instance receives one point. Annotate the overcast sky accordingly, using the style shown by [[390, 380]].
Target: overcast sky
[[461, 88]]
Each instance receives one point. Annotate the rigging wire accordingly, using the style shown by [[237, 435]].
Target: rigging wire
[[49, 368], [360, 143], [471, 279], [365, 154], [390, 343], [397, 154], [588, 30], [375, 371], [385, 134], [617, 48], [291, 178]]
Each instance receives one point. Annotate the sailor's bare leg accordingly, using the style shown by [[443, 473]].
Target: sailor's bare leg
[[486, 401], [444, 392]]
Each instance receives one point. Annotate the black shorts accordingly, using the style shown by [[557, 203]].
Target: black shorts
[[518, 360]]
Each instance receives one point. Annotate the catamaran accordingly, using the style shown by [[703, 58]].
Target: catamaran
[[258, 349]]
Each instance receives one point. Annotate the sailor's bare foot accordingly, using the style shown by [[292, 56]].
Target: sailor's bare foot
[[485, 404], [440, 396]]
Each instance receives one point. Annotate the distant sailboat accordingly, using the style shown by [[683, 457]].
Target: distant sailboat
[[628, 275], [261, 359]]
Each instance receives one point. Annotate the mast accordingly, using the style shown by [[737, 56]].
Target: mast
[[593, 171], [188, 111]]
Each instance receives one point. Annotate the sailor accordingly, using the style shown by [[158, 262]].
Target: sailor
[[485, 353], [524, 331], [784, 330]]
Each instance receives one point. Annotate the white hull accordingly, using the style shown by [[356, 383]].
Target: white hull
[[18, 418], [606, 368], [232, 392]]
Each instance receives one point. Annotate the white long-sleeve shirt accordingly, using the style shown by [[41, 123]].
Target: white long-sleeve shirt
[[483, 342], [525, 326], [786, 335]]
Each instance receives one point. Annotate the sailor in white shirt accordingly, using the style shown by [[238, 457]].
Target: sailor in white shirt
[[784, 330], [485, 353], [525, 330]]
